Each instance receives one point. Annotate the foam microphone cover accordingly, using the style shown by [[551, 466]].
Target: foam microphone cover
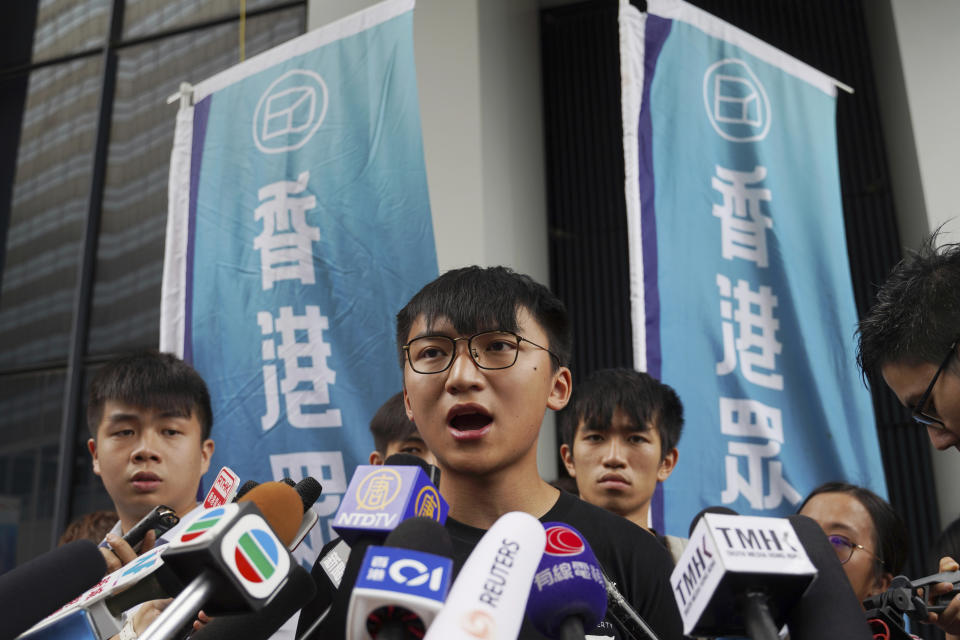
[[39, 587], [296, 593], [309, 491], [410, 460], [421, 534], [696, 519], [245, 489], [281, 507], [829, 608]]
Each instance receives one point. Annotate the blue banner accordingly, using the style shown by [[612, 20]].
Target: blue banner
[[741, 283], [299, 225]]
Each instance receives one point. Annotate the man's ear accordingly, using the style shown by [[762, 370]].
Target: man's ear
[[406, 405], [667, 465], [566, 453], [375, 457], [206, 452], [562, 388], [92, 448]]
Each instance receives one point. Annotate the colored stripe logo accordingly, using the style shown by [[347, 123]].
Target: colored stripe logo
[[202, 524], [256, 555]]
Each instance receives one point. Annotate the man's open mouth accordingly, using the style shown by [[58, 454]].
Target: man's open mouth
[[469, 418]]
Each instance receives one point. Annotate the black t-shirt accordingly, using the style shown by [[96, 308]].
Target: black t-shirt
[[631, 557]]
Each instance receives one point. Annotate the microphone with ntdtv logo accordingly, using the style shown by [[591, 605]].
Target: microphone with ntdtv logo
[[402, 585], [740, 575], [568, 595], [489, 596]]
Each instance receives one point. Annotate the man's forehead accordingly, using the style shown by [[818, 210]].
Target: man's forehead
[[117, 409]]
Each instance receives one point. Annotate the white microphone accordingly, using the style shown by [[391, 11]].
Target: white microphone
[[740, 575], [489, 596]]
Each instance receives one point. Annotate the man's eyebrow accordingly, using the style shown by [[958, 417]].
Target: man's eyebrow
[[839, 525], [174, 413], [120, 416]]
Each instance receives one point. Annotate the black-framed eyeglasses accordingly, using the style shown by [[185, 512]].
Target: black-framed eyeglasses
[[918, 414], [489, 349], [845, 548]]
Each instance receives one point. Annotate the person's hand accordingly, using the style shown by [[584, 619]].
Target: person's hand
[[119, 553], [949, 619], [148, 612], [201, 621]]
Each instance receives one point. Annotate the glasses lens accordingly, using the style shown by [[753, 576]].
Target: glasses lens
[[430, 354], [842, 546], [494, 349]]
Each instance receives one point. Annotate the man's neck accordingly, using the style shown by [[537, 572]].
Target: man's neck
[[479, 501]]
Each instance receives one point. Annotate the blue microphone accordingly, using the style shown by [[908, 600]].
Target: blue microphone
[[568, 594]]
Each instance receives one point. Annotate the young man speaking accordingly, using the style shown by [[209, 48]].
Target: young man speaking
[[484, 355]]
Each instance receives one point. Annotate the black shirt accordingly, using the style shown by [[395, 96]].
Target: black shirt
[[630, 556]]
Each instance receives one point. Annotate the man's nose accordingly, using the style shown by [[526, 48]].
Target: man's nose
[[464, 373], [613, 453], [146, 448]]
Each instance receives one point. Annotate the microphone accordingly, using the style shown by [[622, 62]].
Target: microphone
[[714, 509], [280, 505], [224, 488], [231, 560], [402, 585], [829, 608], [568, 594], [309, 491], [298, 590], [161, 518], [39, 587], [377, 499], [740, 575], [489, 596], [410, 460]]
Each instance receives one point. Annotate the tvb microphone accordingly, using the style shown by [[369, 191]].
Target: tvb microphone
[[298, 590], [231, 560], [402, 585], [568, 595], [490, 594], [39, 587], [740, 575], [829, 608]]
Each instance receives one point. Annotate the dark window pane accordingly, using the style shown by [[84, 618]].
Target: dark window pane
[[68, 26], [126, 301], [48, 207], [150, 16], [30, 413]]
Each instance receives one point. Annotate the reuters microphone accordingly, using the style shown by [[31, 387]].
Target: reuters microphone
[[568, 594], [402, 585], [740, 575], [490, 594]]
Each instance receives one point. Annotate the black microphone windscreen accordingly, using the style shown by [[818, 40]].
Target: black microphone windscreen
[[39, 587], [245, 489], [829, 608], [410, 460], [421, 534], [309, 490], [296, 593], [718, 509]]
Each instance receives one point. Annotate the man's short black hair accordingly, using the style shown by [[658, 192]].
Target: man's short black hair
[[477, 299], [917, 313], [891, 542], [391, 424], [645, 400], [150, 380]]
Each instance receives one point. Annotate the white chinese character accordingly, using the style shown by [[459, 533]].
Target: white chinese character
[[744, 417], [751, 487], [286, 242], [376, 575], [581, 569], [543, 579], [756, 342], [597, 575], [380, 562], [562, 571], [306, 374], [743, 227]]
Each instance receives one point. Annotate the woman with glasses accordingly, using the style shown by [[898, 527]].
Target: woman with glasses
[[869, 537]]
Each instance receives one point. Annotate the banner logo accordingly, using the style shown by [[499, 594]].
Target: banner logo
[[256, 555], [563, 541], [428, 503], [290, 111], [378, 490], [202, 524], [736, 102]]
